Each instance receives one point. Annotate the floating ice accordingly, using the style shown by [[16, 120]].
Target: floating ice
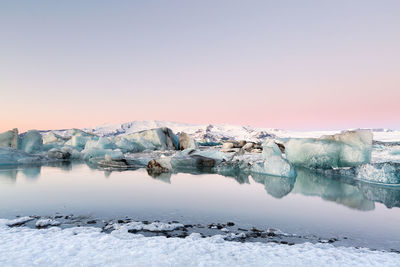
[[388, 173], [93, 153], [31, 142], [160, 138], [9, 138], [273, 162], [348, 149], [9, 156]]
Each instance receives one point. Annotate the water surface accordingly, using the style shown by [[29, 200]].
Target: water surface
[[312, 204]]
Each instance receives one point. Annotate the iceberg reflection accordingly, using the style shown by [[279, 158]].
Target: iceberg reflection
[[331, 189]]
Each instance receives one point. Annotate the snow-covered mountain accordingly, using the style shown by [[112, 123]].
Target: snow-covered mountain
[[221, 132]]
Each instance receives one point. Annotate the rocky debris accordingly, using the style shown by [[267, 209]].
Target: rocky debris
[[281, 147], [185, 142], [158, 166], [9, 138], [227, 146], [108, 162], [202, 161], [58, 154]]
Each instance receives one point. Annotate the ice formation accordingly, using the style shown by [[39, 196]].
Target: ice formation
[[31, 142], [273, 162], [348, 149], [388, 173], [9, 139], [160, 138], [9, 156]]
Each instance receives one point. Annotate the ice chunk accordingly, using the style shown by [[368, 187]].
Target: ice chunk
[[53, 138], [31, 142], [9, 156], [388, 173], [129, 145], [158, 166], [101, 143], [43, 223], [93, 153], [19, 221], [185, 142], [79, 139], [159, 138], [347, 149], [273, 162], [9, 138], [356, 147]]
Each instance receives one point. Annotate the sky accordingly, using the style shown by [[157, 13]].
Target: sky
[[301, 65]]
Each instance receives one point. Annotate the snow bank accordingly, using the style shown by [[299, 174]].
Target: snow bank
[[87, 246]]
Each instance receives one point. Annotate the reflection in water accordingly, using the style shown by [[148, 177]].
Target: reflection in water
[[342, 190], [32, 173], [331, 189], [163, 177], [389, 196], [8, 176], [278, 187]]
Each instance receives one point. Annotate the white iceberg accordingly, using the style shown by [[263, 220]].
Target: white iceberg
[[348, 149], [9, 156], [273, 162], [9, 138], [31, 142], [154, 139]]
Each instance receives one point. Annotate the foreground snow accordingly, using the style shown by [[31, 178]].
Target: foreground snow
[[87, 246]]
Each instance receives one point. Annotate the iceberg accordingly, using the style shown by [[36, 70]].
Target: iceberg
[[31, 142], [127, 145], [10, 156], [79, 138], [9, 138], [154, 139], [347, 149], [185, 142], [387, 173], [273, 163], [53, 138]]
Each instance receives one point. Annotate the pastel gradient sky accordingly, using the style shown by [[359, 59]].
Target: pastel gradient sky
[[285, 64]]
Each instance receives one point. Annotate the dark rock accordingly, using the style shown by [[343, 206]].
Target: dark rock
[[230, 224]]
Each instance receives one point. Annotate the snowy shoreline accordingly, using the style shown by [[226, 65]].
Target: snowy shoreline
[[88, 246]]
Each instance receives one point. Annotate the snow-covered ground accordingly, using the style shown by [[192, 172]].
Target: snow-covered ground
[[228, 131], [88, 246]]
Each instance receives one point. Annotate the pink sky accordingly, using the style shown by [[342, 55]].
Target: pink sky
[[295, 66]]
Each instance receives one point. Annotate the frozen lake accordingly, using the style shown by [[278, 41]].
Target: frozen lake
[[365, 214]]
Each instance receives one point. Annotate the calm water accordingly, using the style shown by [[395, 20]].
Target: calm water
[[310, 204]]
